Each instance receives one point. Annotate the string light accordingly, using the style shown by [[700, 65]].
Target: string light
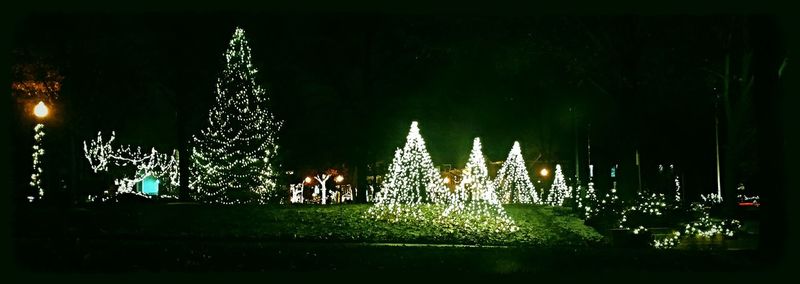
[[322, 178], [296, 191], [558, 190], [712, 198], [234, 155], [475, 203], [38, 152], [412, 177], [703, 227], [590, 203], [513, 182], [414, 193], [101, 154]]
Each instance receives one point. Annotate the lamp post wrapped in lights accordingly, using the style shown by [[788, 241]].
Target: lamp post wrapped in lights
[[40, 111]]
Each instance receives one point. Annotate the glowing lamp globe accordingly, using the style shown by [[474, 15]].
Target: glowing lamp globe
[[544, 172], [447, 180], [339, 178], [40, 110], [307, 180]]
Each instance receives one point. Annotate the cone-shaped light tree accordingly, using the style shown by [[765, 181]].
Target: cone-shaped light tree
[[233, 157], [475, 204], [475, 183], [589, 203], [512, 182], [412, 177], [559, 190]]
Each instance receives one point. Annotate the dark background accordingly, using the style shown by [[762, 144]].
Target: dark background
[[773, 111], [348, 86]]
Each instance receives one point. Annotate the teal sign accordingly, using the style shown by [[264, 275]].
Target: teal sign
[[150, 185]]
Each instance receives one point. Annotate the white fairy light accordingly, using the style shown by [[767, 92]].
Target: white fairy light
[[513, 183], [322, 178], [412, 177], [413, 186], [235, 153], [38, 152], [558, 190], [475, 197], [101, 154]]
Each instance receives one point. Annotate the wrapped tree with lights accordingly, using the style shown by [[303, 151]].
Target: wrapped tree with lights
[[412, 186], [233, 157], [134, 162], [475, 205], [512, 182], [558, 190], [412, 177]]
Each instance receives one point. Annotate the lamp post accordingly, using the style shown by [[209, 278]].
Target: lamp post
[[40, 111]]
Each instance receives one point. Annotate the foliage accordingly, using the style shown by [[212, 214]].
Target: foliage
[[539, 226]]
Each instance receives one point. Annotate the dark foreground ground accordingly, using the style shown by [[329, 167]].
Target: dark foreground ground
[[35, 256], [68, 243]]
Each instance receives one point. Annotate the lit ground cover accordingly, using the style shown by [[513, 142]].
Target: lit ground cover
[[539, 226]]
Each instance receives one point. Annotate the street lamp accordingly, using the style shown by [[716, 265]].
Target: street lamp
[[339, 178], [307, 180], [41, 110], [447, 180], [544, 172]]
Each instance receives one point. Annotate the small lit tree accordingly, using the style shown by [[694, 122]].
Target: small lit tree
[[512, 182], [475, 204], [411, 183], [412, 177], [558, 190]]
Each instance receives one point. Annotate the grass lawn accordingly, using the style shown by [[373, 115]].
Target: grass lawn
[[540, 226]]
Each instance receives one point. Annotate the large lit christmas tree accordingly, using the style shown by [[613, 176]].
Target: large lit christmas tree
[[559, 190], [512, 182], [412, 177], [233, 158], [475, 205]]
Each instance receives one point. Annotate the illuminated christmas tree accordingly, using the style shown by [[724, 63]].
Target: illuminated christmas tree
[[559, 190], [233, 158], [512, 182], [589, 202], [475, 204], [412, 177]]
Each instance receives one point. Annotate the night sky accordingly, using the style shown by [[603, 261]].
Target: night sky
[[348, 86]]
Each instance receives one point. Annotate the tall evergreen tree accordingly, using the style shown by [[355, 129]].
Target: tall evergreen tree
[[512, 182], [233, 158]]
